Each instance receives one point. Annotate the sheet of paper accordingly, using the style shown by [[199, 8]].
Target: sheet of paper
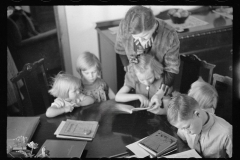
[[137, 150], [185, 154], [139, 109], [189, 23]]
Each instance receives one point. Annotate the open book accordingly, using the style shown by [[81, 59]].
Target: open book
[[128, 108], [76, 129], [186, 154], [159, 143]]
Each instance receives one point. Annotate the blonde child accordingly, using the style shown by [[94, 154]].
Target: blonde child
[[145, 76], [89, 68], [208, 134], [205, 94], [66, 89]]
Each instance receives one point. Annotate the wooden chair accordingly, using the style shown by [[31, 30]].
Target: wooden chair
[[223, 85], [190, 69], [35, 89]]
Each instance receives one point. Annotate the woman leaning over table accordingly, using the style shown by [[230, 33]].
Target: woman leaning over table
[[140, 32]]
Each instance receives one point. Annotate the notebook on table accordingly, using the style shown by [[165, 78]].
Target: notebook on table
[[20, 126], [159, 143], [63, 148], [76, 129], [186, 154], [128, 108]]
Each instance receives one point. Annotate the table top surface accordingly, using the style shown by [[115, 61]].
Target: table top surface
[[116, 128]]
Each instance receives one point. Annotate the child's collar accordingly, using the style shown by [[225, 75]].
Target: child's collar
[[208, 117]]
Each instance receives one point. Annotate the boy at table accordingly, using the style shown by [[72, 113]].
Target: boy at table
[[208, 134]]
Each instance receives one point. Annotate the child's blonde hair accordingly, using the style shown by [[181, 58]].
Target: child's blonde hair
[[204, 93], [62, 83], [87, 60], [143, 62], [181, 108]]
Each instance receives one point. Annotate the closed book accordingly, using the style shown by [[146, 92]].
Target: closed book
[[20, 126], [159, 143], [63, 148], [82, 130]]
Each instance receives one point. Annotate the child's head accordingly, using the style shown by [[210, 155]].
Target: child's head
[[88, 66], [205, 94], [146, 68], [65, 86], [183, 113]]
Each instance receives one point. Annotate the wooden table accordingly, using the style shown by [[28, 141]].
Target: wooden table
[[116, 128]]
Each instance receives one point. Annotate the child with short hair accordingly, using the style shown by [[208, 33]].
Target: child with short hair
[[145, 76], [66, 88], [89, 68], [208, 134], [205, 94]]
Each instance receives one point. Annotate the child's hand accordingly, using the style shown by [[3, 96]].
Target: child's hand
[[76, 103], [68, 108], [144, 101]]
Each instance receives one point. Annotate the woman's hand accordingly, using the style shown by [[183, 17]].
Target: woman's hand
[[162, 110], [156, 100], [144, 101]]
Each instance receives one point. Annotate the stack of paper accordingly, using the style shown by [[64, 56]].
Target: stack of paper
[[76, 129], [159, 143]]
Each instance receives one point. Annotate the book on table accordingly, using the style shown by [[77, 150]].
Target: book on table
[[186, 154], [159, 143], [128, 108], [20, 126], [63, 148], [76, 129]]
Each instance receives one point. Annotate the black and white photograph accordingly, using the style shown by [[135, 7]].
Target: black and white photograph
[[141, 81]]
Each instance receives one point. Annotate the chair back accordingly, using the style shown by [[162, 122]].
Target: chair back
[[223, 85], [33, 98], [191, 68]]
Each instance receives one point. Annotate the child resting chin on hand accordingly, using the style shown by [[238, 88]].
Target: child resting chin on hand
[[67, 90]]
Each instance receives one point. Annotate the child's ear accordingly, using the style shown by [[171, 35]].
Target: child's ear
[[196, 113]]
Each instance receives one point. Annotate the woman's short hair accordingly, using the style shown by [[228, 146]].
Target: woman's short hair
[[87, 60], [144, 62], [139, 19], [181, 107], [205, 94], [62, 83]]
